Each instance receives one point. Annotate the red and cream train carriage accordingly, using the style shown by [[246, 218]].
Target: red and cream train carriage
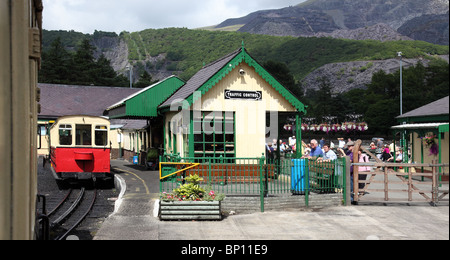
[[80, 147]]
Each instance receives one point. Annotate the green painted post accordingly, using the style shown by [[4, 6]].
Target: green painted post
[[306, 182], [261, 182]]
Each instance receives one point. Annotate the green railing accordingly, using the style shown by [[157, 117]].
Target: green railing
[[256, 176]]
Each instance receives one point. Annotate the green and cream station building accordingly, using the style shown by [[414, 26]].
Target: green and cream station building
[[230, 108]]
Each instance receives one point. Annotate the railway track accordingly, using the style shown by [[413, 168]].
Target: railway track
[[59, 198], [70, 211]]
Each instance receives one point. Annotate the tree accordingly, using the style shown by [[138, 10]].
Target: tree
[[79, 68], [84, 64], [145, 80], [324, 100], [282, 73], [104, 74], [56, 65]]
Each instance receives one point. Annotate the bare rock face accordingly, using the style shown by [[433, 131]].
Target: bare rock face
[[378, 32], [346, 76], [353, 19]]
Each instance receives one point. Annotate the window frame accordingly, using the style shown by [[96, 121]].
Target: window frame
[[213, 136]]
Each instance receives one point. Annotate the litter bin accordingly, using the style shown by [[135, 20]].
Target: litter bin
[[298, 181], [135, 160]]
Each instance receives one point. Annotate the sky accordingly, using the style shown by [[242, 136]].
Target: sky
[[136, 15]]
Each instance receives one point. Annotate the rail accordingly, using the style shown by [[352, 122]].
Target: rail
[[429, 185], [256, 176]]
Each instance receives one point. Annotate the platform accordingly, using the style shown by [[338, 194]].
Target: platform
[[135, 219]]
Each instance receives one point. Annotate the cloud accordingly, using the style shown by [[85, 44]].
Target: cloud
[[136, 15]]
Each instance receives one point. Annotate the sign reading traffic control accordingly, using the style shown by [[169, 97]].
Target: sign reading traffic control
[[250, 95]]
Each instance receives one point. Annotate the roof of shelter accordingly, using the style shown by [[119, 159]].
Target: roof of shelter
[[437, 108], [63, 100], [144, 104], [211, 74], [126, 124]]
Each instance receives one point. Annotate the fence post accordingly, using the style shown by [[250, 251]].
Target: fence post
[[306, 182], [435, 195], [347, 179], [261, 182]]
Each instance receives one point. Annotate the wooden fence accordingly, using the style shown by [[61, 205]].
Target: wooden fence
[[410, 178]]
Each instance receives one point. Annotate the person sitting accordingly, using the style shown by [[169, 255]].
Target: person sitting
[[398, 156], [328, 154], [315, 150], [386, 155]]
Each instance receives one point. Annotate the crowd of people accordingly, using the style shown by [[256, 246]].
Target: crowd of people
[[328, 151]]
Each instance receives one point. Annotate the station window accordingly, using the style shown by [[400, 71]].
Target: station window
[[83, 135], [101, 135], [214, 134], [65, 135]]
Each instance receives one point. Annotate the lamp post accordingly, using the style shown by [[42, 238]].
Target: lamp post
[[130, 68], [401, 82], [403, 134]]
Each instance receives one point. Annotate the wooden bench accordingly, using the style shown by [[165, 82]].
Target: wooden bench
[[321, 175], [229, 173]]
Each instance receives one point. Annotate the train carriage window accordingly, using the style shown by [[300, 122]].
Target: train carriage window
[[65, 135], [83, 135], [101, 135]]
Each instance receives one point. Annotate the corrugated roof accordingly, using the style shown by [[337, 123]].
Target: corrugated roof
[[122, 102], [420, 126], [63, 100], [126, 124], [439, 107]]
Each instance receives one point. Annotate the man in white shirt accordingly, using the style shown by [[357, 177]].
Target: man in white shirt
[[328, 154]]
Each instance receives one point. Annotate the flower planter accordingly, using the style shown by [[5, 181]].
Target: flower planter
[[190, 210]]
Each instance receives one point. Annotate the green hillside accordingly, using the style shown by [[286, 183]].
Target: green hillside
[[187, 50]]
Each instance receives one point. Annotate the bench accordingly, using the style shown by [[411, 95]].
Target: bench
[[228, 173], [322, 177]]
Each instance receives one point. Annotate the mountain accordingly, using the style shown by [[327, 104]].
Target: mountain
[[431, 28], [182, 52], [417, 19]]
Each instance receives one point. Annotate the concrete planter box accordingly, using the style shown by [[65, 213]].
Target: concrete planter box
[[190, 210]]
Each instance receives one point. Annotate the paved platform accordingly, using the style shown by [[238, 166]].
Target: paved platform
[[135, 219]]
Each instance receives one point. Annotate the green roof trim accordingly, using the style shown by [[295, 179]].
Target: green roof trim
[[144, 104], [240, 57]]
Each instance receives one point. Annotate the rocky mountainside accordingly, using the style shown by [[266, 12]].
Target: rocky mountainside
[[429, 28], [345, 76], [417, 19]]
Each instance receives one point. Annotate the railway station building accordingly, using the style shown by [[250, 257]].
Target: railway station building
[[231, 107]]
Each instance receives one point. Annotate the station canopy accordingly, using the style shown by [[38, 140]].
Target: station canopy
[[144, 104]]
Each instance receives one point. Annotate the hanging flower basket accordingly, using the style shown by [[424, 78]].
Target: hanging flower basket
[[305, 127], [287, 127], [336, 127], [362, 127], [327, 128], [314, 127], [430, 142], [324, 128]]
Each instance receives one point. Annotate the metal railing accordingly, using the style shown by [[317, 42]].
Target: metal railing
[[256, 176]]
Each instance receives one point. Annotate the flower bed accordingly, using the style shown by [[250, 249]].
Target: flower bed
[[191, 202]]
